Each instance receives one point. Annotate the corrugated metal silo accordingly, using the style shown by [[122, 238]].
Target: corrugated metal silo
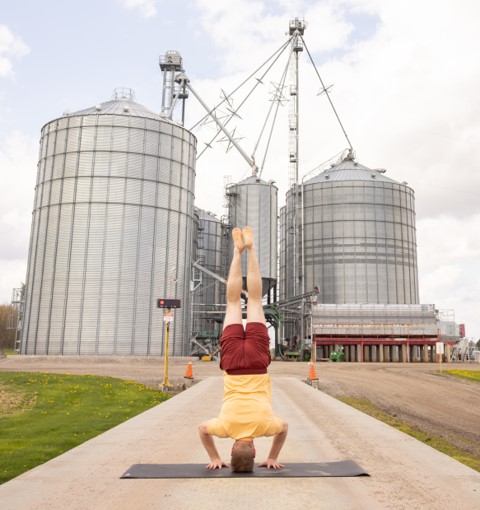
[[290, 239], [111, 232], [208, 291], [282, 253], [359, 242], [253, 202]]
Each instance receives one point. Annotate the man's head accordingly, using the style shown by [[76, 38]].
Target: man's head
[[243, 453]]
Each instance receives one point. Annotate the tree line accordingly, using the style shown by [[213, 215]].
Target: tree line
[[7, 336]]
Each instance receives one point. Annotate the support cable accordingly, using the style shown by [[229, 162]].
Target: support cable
[[325, 89], [279, 51], [277, 55], [282, 82]]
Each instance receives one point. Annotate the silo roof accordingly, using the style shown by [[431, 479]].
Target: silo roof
[[350, 170], [122, 106], [253, 179], [206, 215]]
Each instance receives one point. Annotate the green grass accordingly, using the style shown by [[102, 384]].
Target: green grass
[[435, 442], [44, 415], [469, 375], [9, 352]]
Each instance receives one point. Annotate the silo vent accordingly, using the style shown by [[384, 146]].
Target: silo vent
[[124, 93], [98, 107]]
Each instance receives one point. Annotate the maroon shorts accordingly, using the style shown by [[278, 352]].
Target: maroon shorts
[[245, 351]]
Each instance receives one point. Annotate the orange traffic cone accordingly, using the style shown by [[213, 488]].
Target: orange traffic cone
[[312, 376], [189, 370]]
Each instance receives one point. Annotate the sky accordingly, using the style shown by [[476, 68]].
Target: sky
[[405, 78]]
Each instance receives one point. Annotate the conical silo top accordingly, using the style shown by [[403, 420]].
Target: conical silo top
[[123, 103], [207, 215], [253, 179], [350, 170]]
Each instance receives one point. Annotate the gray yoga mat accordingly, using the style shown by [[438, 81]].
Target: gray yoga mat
[[291, 470]]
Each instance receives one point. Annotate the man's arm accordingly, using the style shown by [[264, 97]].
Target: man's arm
[[207, 440], [278, 441]]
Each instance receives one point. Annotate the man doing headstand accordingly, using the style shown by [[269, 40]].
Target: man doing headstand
[[245, 355]]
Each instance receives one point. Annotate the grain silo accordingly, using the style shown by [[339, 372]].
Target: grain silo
[[111, 232], [289, 263], [350, 267], [282, 255], [359, 237], [208, 292], [253, 202]]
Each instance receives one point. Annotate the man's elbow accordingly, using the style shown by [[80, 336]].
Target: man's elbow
[[203, 429], [284, 428]]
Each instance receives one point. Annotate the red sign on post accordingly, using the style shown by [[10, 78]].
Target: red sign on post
[[168, 303]]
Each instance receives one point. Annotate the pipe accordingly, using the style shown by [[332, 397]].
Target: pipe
[[184, 80]]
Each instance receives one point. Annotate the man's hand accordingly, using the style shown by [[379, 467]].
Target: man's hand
[[271, 464], [278, 440], [207, 440], [217, 464]]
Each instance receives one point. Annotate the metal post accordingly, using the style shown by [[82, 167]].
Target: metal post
[[166, 382], [314, 344], [297, 108]]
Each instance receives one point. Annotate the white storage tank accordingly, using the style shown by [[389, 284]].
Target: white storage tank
[[359, 237], [111, 232], [254, 202], [208, 292]]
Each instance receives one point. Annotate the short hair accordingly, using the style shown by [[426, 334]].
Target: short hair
[[242, 458]]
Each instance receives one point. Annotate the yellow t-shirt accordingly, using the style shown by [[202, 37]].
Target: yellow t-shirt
[[247, 409]]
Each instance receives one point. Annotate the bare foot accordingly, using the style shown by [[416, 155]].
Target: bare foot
[[237, 239], [247, 233]]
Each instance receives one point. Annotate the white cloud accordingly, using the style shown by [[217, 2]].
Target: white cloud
[[413, 101], [18, 158], [242, 31], [448, 256], [330, 25], [11, 46], [147, 8]]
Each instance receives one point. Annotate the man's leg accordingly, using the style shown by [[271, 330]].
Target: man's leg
[[233, 314], [254, 280]]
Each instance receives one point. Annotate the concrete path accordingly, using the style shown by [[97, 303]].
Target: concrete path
[[405, 474]]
